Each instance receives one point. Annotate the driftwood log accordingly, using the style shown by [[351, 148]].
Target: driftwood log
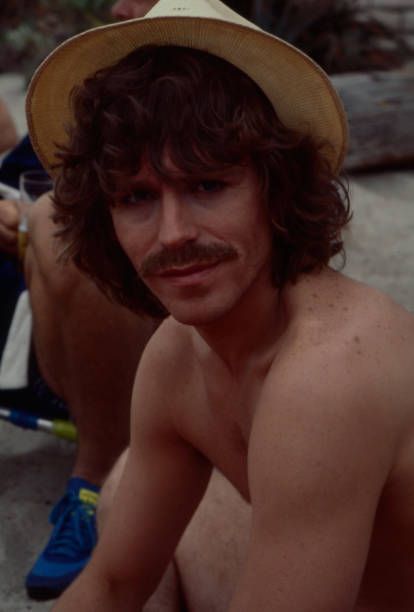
[[380, 109]]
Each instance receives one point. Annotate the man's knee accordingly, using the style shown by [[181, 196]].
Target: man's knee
[[167, 596], [212, 550]]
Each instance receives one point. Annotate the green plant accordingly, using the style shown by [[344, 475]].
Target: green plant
[[32, 28]]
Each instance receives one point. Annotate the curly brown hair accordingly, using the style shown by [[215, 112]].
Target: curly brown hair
[[210, 115]]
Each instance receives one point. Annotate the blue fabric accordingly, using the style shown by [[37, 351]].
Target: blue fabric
[[11, 286], [20, 159]]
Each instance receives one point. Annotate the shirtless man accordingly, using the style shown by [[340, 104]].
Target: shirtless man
[[291, 379]]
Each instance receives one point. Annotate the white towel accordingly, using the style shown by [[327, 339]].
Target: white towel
[[14, 364]]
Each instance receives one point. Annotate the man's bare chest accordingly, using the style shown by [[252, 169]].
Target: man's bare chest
[[219, 426]]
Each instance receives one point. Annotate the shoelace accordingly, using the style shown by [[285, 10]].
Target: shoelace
[[74, 530]]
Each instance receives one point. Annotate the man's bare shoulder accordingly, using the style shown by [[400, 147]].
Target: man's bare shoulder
[[337, 412], [337, 315], [164, 384], [170, 342], [168, 357], [340, 383], [347, 354]]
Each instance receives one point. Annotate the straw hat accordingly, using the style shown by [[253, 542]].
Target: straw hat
[[299, 90]]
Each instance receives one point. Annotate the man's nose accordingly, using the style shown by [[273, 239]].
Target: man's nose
[[177, 224]]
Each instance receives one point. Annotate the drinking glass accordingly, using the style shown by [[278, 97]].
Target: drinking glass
[[32, 184]]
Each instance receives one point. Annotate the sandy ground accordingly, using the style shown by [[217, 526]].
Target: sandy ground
[[35, 466]]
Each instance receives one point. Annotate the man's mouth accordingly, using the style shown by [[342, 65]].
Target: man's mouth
[[183, 271]]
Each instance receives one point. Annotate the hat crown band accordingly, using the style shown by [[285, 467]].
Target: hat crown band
[[203, 9]]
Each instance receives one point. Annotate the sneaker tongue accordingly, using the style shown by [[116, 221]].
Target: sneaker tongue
[[88, 497], [75, 484]]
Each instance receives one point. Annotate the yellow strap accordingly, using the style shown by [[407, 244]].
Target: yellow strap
[[88, 496]]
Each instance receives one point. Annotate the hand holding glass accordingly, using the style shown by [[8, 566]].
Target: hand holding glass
[[32, 184]]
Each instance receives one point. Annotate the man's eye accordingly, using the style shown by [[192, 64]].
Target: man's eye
[[210, 186], [138, 196]]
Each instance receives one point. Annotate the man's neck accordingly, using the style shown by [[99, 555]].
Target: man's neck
[[248, 332]]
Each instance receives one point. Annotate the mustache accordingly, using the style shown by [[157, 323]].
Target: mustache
[[191, 253]]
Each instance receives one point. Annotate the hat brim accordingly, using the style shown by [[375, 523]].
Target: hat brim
[[298, 88]]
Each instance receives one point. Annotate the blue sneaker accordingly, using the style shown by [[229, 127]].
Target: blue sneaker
[[71, 543]]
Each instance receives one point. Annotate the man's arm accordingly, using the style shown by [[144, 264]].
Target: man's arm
[[9, 220], [8, 132], [318, 460], [162, 484]]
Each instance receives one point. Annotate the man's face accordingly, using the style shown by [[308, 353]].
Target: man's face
[[199, 244], [129, 9]]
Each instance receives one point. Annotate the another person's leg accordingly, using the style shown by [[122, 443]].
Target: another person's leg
[[87, 349], [209, 557], [211, 552]]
